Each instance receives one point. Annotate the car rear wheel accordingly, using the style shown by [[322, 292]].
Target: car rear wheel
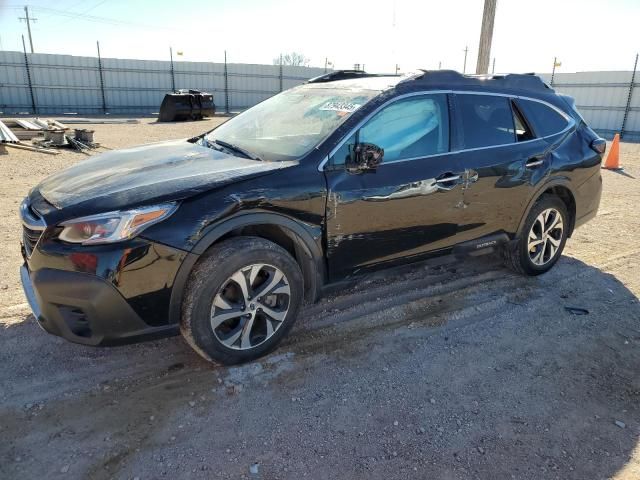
[[542, 240], [241, 299]]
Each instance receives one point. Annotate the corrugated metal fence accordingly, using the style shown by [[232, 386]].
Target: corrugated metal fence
[[604, 99], [56, 84]]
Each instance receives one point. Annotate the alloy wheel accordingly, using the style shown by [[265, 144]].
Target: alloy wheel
[[545, 236], [250, 306]]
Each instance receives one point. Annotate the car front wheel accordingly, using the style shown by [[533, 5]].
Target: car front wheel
[[242, 298]]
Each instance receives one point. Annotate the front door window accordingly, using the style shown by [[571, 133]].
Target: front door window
[[414, 127]]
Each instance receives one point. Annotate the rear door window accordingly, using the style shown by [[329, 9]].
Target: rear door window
[[486, 120], [543, 119]]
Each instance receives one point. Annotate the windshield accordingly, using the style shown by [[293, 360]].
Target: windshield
[[290, 124]]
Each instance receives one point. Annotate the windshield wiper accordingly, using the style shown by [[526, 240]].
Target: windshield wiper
[[235, 148], [207, 143]]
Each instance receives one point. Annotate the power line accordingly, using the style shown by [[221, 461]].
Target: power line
[[75, 5], [92, 18], [82, 13], [94, 7], [81, 16]]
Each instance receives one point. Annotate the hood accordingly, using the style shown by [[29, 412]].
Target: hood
[[157, 172]]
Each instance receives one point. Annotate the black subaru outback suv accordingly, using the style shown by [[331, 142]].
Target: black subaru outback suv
[[223, 236]]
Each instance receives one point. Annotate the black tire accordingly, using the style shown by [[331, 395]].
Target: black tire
[[212, 272], [516, 255]]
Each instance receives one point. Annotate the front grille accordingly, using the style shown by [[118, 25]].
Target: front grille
[[32, 226], [30, 238]]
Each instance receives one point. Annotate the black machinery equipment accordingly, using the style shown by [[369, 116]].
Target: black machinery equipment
[[186, 105]]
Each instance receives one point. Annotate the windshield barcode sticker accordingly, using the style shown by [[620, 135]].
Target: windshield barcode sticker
[[347, 107]]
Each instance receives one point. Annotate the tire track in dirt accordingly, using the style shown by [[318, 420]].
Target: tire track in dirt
[[429, 297], [423, 311], [451, 304]]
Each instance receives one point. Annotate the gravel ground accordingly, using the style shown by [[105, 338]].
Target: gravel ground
[[459, 371]]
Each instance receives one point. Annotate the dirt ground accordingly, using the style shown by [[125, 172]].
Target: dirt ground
[[459, 371]]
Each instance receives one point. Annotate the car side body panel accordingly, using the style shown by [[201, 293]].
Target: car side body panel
[[298, 193], [396, 212], [576, 168]]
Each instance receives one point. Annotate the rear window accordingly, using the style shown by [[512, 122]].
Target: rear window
[[543, 119], [486, 120]]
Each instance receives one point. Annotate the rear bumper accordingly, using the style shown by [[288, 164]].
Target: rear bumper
[[84, 308], [587, 198], [586, 217]]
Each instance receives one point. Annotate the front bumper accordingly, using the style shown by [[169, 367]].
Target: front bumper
[[86, 309]]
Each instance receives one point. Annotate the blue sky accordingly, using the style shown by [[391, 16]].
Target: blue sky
[[584, 35]]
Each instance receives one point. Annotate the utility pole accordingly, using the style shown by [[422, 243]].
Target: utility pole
[[281, 72], [28, 22], [226, 84], [464, 68], [104, 99], [493, 68], [556, 63], [173, 75], [486, 34], [26, 66], [628, 107]]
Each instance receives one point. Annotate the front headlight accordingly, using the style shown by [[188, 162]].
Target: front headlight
[[114, 226]]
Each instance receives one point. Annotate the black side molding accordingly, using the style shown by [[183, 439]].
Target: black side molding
[[480, 246]]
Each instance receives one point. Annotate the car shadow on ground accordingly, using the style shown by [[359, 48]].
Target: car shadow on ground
[[459, 371]]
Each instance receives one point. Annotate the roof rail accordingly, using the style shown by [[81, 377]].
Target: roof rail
[[526, 81], [343, 75]]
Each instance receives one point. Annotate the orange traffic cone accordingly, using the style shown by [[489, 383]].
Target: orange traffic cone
[[613, 159]]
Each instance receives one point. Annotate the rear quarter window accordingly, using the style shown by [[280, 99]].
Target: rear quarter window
[[486, 120], [543, 119]]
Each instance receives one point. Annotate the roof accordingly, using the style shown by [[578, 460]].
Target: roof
[[376, 83], [520, 81], [349, 79]]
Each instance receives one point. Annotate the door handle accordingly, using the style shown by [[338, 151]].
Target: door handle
[[534, 162]]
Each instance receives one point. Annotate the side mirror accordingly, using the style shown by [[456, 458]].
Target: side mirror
[[364, 156]]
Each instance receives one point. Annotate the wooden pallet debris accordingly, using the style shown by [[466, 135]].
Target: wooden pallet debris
[[81, 141], [24, 146], [55, 134], [6, 134], [13, 131], [28, 128], [23, 129]]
